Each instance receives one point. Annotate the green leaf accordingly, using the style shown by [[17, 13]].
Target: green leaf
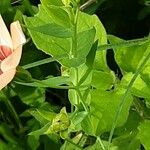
[[139, 88], [91, 55], [103, 80], [143, 135], [52, 29], [40, 131], [107, 103], [52, 82], [23, 77], [33, 142], [76, 120], [60, 48], [80, 76], [72, 143], [128, 58], [58, 14], [42, 116], [83, 48], [51, 45], [85, 22], [29, 94], [52, 2]]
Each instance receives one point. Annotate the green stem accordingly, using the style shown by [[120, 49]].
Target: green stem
[[82, 101], [124, 43], [138, 71], [87, 4], [101, 143], [38, 63]]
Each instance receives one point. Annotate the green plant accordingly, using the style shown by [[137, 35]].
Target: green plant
[[106, 112]]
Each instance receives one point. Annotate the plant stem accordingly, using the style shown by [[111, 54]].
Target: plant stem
[[138, 71], [38, 63], [101, 143], [82, 101], [87, 4], [127, 43]]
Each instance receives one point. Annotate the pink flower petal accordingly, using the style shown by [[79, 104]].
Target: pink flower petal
[[5, 38], [12, 60], [4, 52], [17, 35], [6, 77]]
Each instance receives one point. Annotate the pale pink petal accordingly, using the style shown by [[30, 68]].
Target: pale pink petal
[[12, 60], [17, 35], [6, 77], [5, 38], [4, 52]]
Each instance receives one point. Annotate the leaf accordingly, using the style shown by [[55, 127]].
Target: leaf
[[33, 142], [128, 58], [60, 48], [58, 13], [52, 29], [23, 77], [52, 82], [91, 55], [42, 116], [52, 2], [80, 76], [72, 143], [106, 103], [29, 94], [76, 120], [85, 22], [143, 135], [83, 48], [139, 88], [103, 80], [40, 131], [51, 45]]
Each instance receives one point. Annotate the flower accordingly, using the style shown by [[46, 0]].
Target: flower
[[10, 50]]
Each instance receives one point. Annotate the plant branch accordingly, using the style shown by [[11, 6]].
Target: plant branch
[[87, 4]]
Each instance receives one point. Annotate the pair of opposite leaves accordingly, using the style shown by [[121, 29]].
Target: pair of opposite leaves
[[10, 50]]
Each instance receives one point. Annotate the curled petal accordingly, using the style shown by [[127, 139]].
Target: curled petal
[[12, 60], [17, 35], [5, 38], [6, 77]]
